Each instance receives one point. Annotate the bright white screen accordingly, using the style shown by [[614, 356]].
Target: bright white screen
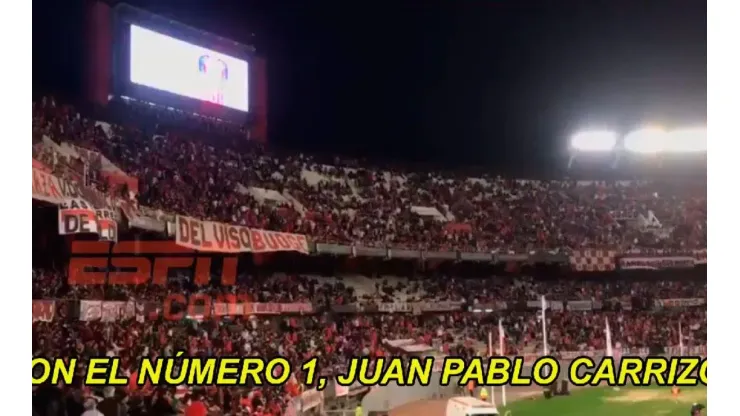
[[164, 63]]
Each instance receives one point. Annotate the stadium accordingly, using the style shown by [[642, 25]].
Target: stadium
[[168, 226]]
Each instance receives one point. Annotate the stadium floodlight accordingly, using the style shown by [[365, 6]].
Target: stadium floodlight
[[594, 141], [648, 140], [688, 140]]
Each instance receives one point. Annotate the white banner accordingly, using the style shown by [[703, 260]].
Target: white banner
[[219, 237], [91, 310], [394, 307], [398, 343], [680, 303], [580, 305], [340, 391], [77, 216], [692, 350], [111, 311], [572, 355], [116, 310], [310, 399], [656, 263], [554, 305], [107, 311], [642, 351], [444, 306], [353, 390]]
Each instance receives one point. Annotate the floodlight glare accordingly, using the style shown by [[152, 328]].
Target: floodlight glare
[[689, 140], [646, 140], [594, 141]]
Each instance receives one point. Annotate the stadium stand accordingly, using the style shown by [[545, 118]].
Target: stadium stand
[[152, 165]]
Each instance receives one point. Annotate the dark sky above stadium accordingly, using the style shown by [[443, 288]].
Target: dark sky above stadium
[[500, 84]]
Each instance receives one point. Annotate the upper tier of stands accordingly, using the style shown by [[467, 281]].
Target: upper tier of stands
[[183, 164]]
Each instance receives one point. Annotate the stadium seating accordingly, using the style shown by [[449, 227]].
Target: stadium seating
[[178, 169], [165, 162]]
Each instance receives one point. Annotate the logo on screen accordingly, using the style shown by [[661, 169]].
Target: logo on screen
[[215, 72]]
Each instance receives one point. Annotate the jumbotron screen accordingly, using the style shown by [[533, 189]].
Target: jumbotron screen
[[168, 64]]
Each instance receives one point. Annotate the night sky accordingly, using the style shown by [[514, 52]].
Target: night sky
[[499, 84]]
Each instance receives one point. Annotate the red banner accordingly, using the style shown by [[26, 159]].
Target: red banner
[[40, 166], [43, 310], [49, 188], [225, 238]]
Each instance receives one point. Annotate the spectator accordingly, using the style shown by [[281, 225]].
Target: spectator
[[90, 408], [180, 164], [196, 407], [110, 405]]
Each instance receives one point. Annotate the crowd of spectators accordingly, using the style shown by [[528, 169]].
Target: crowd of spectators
[[526, 289], [194, 166], [325, 293], [285, 288], [336, 337]]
